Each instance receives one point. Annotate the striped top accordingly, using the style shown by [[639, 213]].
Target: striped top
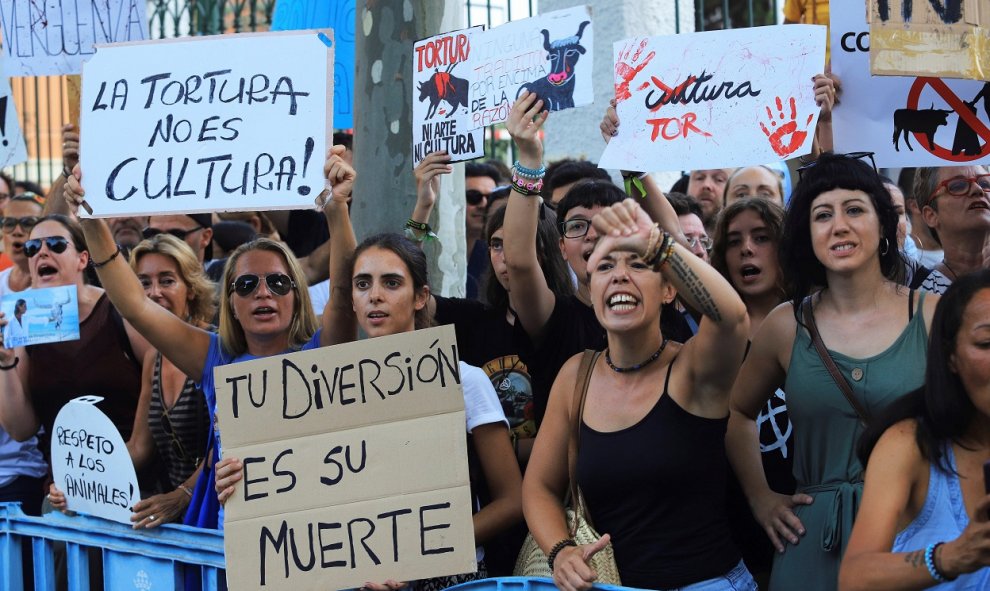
[[179, 432], [936, 283]]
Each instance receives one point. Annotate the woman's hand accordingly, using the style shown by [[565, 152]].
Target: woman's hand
[[825, 94], [159, 509], [775, 512], [6, 355], [571, 568], [56, 498], [389, 585], [622, 226], [340, 178], [70, 147], [229, 472], [971, 550], [73, 192], [428, 173], [610, 122], [524, 123]]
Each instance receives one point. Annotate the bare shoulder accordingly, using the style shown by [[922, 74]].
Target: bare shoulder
[[899, 445], [928, 307]]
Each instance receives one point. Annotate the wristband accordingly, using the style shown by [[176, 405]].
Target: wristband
[[421, 226], [185, 489], [530, 172], [12, 365], [419, 232], [96, 265], [557, 548]]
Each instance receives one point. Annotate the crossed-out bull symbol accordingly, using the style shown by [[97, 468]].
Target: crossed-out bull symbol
[[443, 86], [557, 88]]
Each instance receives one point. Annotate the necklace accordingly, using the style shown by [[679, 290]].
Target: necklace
[[651, 359]]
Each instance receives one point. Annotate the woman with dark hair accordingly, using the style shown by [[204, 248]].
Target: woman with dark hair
[[924, 515], [839, 251]]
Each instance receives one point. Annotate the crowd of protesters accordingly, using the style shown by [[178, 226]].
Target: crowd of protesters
[[775, 383]]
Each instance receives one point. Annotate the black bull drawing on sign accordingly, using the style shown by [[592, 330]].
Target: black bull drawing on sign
[[443, 86], [926, 121], [557, 88]]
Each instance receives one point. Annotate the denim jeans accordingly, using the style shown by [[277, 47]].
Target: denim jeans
[[737, 579]]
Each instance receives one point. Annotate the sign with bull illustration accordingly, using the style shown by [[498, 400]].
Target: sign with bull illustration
[[441, 95], [905, 121], [550, 55]]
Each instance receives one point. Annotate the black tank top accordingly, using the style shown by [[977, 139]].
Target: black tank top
[[658, 487]]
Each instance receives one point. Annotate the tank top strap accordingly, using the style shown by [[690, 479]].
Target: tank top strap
[[666, 380], [910, 305]]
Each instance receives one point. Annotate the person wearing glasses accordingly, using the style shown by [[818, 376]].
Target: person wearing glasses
[[264, 310], [197, 231], [38, 380], [479, 181], [955, 203], [20, 216], [839, 251]]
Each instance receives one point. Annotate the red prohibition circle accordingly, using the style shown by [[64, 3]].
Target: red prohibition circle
[[956, 104]]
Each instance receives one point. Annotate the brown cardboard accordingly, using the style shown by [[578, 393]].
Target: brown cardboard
[[928, 45], [401, 449]]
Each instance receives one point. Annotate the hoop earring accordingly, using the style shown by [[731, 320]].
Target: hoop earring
[[885, 246]]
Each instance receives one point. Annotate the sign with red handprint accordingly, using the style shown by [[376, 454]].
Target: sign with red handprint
[[715, 99]]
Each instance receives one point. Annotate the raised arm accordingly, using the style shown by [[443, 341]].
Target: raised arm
[[55, 203], [529, 295], [184, 344], [339, 324], [428, 174]]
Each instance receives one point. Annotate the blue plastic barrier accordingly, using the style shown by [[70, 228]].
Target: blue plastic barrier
[[132, 559], [521, 584]]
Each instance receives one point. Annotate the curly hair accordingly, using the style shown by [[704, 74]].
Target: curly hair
[[201, 306]]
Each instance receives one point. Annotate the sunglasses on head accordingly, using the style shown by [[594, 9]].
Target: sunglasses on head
[[56, 244], [851, 155], [149, 233], [278, 283], [26, 222]]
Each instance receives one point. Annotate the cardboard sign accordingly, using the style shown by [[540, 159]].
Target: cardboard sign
[[91, 464], [52, 37], [550, 55], [905, 121], [203, 124], [12, 150], [441, 97], [342, 482], [716, 99], [339, 16], [37, 316], [943, 38]]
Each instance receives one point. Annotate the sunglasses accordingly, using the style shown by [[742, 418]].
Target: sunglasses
[[26, 222], [169, 428], [278, 283], [851, 155], [474, 197], [149, 233], [56, 244], [959, 186]]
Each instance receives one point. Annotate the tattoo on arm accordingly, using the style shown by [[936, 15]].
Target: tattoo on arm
[[695, 287], [916, 558]]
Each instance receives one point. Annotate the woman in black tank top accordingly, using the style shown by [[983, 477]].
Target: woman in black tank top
[[651, 462]]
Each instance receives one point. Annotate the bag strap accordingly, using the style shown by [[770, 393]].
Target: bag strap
[[588, 360], [837, 377]]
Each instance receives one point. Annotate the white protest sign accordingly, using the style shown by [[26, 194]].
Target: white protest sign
[[716, 99], [355, 465], [52, 37], [549, 54], [905, 121], [41, 315], [91, 464], [12, 150], [221, 123], [441, 97]]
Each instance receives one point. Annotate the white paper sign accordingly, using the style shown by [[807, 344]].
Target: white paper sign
[[52, 37], [905, 121], [716, 99], [550, 55], [222, 123], [12, 150], [441, 97], [90, 462]]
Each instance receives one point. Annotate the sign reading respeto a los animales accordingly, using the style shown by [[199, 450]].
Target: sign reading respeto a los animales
[[355, 465], [549, 55], [207, 124], [52, 37], [715, 99]]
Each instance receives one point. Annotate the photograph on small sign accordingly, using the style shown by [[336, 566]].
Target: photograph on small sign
[[37, 316]]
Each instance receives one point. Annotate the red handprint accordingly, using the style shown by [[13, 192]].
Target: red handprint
[[790, 127], [625, 72]]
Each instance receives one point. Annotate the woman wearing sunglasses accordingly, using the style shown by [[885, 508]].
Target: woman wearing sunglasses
[[839, 251], [20, 216], [264, 308], [36, 381]]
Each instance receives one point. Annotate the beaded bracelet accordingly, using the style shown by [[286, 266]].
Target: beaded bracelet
[[557, 548], [529, 172], [653, 244], [528, 186], [933, 569]]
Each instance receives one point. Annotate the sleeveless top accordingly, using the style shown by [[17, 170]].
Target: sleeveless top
[[658, 487], [179, 432], [100, 363], [942, 518], [826, 429]]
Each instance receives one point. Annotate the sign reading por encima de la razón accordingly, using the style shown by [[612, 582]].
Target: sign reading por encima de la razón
[[355, 465]]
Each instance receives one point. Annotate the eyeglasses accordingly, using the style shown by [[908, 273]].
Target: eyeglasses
[[495, 245], [149, 233], [474, 197], [705, 242], [26, 222], [56, 244], [959, 186], [575, 228], [278, 283], [851, 155]]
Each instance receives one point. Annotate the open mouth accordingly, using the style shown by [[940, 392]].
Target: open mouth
[[263, 312], [843, 247], [46, 270], [622, 302], [979, 205], [750, 271]]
